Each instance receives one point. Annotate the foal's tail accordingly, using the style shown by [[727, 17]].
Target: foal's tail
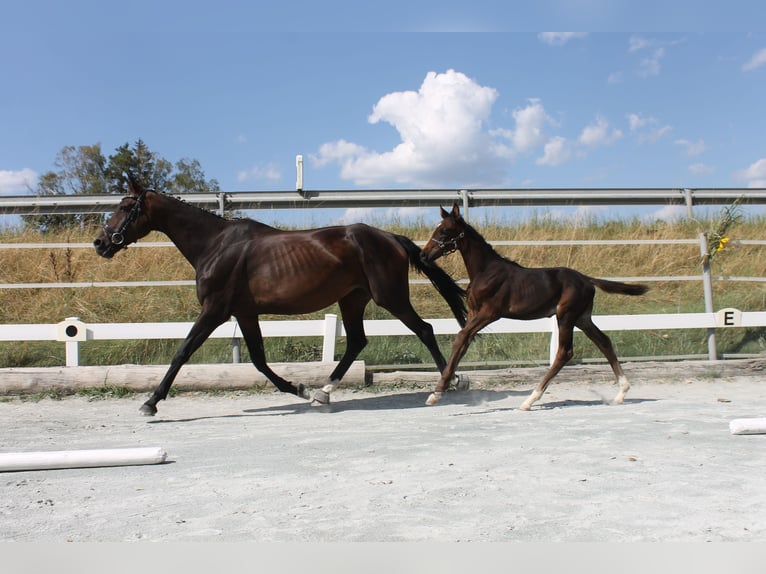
[[453, 294], [619, 287]]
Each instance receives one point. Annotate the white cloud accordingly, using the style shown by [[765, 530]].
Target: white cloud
[[530, 122], [444, 140], [667, 213], [754, 174], [269, 172], [598, 133], [374, 215], [692, 147], [637, 122], [656, 134], [556, 152], [559, 38], [650, 66], [614, 78], [17, 182], [756, 61], [636, 43], [700, 169]]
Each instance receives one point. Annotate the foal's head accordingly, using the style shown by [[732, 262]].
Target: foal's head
[[447, 236], [127, 224]]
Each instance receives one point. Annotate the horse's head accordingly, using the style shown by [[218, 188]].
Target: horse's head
[[444, 240], [127, 224]]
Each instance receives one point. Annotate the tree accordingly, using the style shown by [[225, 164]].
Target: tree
[[81, 170], [189, 177], [152, 171], [85, 170]]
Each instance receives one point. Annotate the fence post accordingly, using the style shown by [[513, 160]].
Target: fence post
[[707, 286], [236, 350], [330, 334]]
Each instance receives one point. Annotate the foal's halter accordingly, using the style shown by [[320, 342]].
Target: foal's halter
[[117, 237], [450, 245]]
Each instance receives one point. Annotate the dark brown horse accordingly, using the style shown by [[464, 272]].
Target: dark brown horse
[[500, 287], [245, 268]]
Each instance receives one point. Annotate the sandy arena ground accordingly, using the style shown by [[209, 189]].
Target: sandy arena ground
[[381, 466]]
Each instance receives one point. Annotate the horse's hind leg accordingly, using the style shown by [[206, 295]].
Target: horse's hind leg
[[604, 344], [563, 355], [251, 331], [352, 312]]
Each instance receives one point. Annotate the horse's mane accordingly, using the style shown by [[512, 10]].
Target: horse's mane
[[472, 233]]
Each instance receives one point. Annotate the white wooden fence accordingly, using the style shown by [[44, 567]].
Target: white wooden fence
[[72, 332]]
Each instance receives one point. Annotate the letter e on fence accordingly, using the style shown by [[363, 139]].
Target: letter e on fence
[[728, 318]]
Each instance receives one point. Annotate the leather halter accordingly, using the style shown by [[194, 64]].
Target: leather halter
[[450, 245], [117, 237]]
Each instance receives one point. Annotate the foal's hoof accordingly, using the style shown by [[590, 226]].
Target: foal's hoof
[[148, 410], [320, 398], [433, 398], [303, 391]]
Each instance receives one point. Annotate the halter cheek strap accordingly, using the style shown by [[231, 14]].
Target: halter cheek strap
[[117, 237]]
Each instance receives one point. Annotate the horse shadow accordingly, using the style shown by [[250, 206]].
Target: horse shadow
[[370, 403], [397, 402]]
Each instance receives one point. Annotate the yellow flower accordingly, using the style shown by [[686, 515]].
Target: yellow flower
[[721, 244]]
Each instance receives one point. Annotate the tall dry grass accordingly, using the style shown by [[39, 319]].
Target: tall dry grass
[[143, 304]]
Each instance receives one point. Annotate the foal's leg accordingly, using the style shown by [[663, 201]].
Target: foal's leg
[[604, 344], [475, 323], [200, 331], [251, 331], [563, 355], [352, 312]]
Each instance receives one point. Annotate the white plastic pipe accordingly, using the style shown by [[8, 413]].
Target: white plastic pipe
[[14, 461], [748, 426]]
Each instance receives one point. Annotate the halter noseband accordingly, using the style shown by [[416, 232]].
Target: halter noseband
[[450, 245], [117, 237]]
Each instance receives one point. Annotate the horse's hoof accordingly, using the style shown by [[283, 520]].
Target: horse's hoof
[[303, 391], [525, 407], [433, 399], [320, 398], [462, 383], [148, 410]]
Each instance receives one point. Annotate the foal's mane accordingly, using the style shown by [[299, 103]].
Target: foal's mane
[[473, 234]]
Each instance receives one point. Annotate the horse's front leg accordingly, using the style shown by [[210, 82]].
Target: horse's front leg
[[459, 348], [200, 331]]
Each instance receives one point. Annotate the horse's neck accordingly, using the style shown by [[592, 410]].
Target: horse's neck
[[476, 253], [191, 229]]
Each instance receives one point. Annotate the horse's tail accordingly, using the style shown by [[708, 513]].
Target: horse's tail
[[619, 287], [453, 294]]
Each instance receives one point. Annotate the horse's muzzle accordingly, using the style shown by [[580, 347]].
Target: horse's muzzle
[[104, 247]]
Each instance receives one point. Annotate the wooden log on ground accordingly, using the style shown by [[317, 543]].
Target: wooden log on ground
[[192, 377]]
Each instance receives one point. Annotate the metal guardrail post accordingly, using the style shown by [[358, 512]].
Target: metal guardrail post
[[707, 286]]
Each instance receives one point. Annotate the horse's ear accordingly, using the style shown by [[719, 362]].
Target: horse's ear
[[444, 212], [133, 186], [456, 210]]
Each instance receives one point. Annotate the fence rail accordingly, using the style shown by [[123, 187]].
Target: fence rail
[[329, 199], [72, 332]]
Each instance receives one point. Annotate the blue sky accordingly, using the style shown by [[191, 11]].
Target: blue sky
[[400, 102]]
